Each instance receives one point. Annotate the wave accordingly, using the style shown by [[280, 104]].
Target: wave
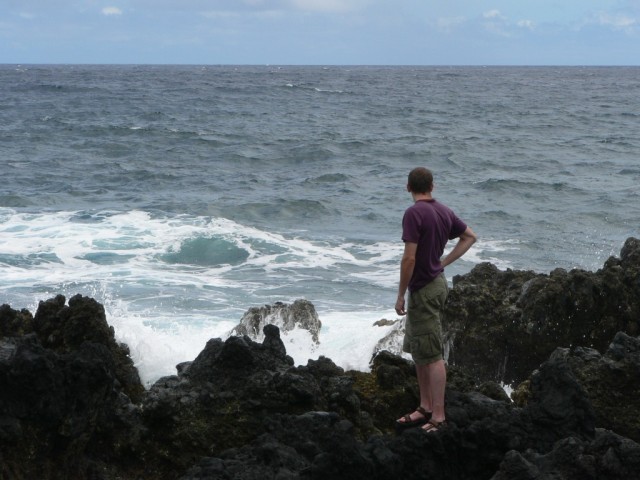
[[504, 185], [14, 201], [280, 208], [311, 88], [143, 248], [330, 178], [66, 89], [206, 251]]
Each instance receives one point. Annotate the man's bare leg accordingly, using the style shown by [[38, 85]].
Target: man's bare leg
[[422, 372], [432, 379]]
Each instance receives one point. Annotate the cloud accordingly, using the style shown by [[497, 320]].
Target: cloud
[[528, 24], [233, 15], [448, 24], [331, 6], [617, 22], [496, 23], [494, 14], [108, 11]]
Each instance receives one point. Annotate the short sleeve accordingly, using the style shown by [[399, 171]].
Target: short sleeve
[[411, 226], [457, 228]]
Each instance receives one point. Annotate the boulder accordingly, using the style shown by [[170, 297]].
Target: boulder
[[301, 314], [502, 324], [59, 410], [608, 456], [64, 329], [222, 399], [610, 383], [553, 434]]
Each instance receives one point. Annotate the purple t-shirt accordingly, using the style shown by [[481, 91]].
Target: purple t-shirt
[[431, 225]]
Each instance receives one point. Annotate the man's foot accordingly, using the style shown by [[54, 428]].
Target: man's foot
[[433, 426], [414, 419]]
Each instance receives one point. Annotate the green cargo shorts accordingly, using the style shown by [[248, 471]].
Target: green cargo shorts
[[423, 330]]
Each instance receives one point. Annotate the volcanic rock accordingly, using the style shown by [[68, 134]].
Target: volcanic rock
[[503, 324], [300, 314]]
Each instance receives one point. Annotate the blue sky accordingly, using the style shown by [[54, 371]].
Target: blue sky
[[321, 32]]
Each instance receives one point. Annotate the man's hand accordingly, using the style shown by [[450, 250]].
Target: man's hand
[[400, 306], [406, 271]]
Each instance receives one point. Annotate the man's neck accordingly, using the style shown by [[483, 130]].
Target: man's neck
[[421, 196]]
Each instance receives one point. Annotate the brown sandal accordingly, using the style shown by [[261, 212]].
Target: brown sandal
[[433, 426], [406, 422]]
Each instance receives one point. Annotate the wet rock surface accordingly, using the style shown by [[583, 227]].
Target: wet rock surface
[[300, 314]]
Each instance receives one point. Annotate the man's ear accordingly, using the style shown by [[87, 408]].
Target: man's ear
[[408, 188]]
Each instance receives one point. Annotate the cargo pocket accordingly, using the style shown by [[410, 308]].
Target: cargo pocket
[[426, 347], [433, 297]]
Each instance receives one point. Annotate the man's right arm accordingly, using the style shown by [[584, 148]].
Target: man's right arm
[[406, 272]]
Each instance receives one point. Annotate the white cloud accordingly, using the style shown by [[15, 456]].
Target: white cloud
[[328, 5], [447, 24], [111, 11], [496, 23], [228, 14], [618, 22], [528, 24], [494, 14]]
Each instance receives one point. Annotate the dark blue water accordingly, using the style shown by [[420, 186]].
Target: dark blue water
[[182, 196]]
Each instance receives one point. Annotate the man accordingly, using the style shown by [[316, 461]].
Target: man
[[427, 226]]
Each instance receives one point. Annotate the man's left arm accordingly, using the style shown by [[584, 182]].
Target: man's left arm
[[465, 241]]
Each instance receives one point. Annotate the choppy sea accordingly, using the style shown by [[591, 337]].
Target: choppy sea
[[181, 196]]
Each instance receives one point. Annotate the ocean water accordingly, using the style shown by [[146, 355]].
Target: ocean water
[[181, 196]]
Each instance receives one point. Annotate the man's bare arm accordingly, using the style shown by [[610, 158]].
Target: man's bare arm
[[407, 265], [465, 241]]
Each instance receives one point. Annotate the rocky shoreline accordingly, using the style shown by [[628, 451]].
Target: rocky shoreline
[[72, 405]]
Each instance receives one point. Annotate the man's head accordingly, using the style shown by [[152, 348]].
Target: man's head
[[420, 180]]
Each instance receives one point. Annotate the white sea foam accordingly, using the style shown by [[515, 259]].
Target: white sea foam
[[166, 311], [156, 351], [489, 250], [348, 338]]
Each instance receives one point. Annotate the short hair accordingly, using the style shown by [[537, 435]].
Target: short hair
[[420, 180]]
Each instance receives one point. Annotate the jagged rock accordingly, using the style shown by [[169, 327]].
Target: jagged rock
[[65, 328], [15, 323], [221, 399], [321, 444], [608, 457], [57, 408], [486, 433], [301, 314], [504, 324], [610, 382], [392, 341], [241, 409]]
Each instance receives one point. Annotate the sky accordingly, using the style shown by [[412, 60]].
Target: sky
[[321, 32]]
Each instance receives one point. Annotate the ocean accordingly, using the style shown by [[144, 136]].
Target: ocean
[[181, 196]]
